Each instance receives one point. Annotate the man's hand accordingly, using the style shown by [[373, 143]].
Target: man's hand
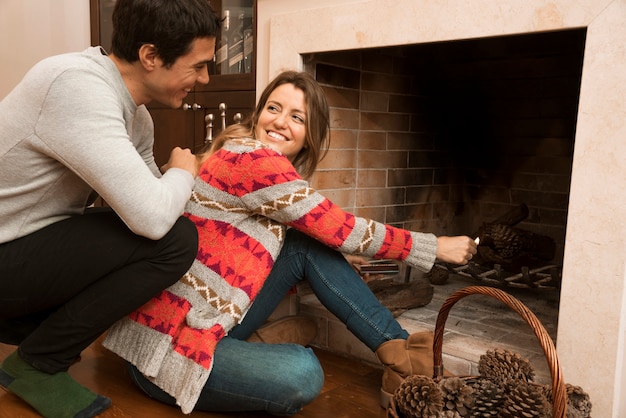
[[183, 159]]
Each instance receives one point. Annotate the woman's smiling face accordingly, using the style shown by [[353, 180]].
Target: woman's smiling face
[[282, 122]]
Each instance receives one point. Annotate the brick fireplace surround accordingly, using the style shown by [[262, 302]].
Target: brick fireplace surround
[[592, 312], [446, 136]]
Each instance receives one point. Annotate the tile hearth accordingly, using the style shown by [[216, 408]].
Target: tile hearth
[[475, 324]]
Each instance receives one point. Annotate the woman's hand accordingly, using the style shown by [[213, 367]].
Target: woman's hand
[[456, 250], [356, 261]]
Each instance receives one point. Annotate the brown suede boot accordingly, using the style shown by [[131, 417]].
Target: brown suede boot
[[403, 358], [288, 330]]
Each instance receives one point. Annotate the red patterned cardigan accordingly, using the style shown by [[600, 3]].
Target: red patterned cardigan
[[245, 197]]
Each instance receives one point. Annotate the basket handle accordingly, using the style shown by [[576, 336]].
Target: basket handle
[[559, 396]]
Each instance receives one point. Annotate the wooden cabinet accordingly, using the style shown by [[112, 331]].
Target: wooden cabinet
[[223, 106], [187, 127], [232, 80], [172, 128]]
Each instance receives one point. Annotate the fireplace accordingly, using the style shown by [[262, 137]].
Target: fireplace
[[444, 137], [586, 214]]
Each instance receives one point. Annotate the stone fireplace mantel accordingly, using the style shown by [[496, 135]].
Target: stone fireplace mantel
[[592, 315]]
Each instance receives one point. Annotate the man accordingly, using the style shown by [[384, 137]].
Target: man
[[74, 127]]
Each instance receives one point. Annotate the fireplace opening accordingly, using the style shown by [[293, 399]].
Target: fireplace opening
[[448, 137]]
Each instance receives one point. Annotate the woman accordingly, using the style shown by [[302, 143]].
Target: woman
[[261, 229]]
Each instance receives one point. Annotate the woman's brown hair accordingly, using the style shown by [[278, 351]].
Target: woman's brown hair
[[317, 136]]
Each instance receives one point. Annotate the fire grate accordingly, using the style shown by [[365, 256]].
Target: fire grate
[[508, 256], [544, 277]]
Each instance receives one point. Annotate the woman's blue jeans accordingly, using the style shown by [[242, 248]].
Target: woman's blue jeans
[[283, 378]]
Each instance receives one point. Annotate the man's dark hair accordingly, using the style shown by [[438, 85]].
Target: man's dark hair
[[170, 25]]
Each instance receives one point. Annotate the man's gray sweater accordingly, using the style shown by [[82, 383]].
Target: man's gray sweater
[[69, 128]]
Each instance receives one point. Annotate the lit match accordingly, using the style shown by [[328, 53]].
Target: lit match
[[477, 240]]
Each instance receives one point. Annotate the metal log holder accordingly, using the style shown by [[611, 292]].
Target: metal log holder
[[546, 277]]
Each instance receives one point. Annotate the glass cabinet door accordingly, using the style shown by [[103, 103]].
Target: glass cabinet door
[[234, 50]]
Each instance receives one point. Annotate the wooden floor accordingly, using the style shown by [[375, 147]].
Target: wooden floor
[[350, 390]]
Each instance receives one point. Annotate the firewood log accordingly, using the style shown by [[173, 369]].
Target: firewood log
[[399, 297]]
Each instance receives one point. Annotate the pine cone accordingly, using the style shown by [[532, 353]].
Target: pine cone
[[578, 402], [437, 275], [488, 398], [501, 365], [419, 396], [450, 414], [524, 399], [457, 396], [502, 239]]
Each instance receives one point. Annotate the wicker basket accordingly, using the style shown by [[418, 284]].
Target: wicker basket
[[559, 401]]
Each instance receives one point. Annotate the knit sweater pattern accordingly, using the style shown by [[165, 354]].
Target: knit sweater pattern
[[245, 197]]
